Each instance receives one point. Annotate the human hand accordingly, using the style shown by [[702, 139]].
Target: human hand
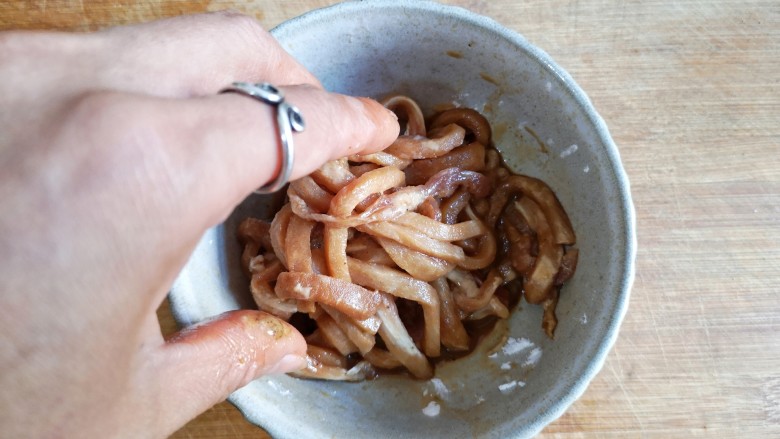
[[116, 154]]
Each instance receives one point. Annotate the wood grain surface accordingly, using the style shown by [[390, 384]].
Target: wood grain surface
[[691, 93]]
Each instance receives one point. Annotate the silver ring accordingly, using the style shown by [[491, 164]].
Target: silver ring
[[288, 120]]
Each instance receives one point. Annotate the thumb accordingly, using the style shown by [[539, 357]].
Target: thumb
[[201, 365]]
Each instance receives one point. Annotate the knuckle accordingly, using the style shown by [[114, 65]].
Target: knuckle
[[93, 101], [92, 110], [245, 26], [112, 118]]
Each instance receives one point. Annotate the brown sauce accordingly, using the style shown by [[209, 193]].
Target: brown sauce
[[488, 78]]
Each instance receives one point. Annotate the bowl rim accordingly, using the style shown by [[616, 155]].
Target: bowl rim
[[628, 215]]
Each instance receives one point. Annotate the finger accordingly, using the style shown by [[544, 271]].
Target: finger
[[202, 365], [336, 126], [195, 55], [203, 156], [184, 56]]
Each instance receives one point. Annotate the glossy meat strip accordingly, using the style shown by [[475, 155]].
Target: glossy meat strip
[[419, 147], [430, 208], [493, 308], [402, 285], [333, 175], [382, 159], [279, 232], [381, 258], [268, 301], [333, 334], [415, 240], [297, 245], [470, 119], [483, 295], [314, 195], [398, 341], [549, 319], [438, 230], [453, 333], [351, 299], [358, 170], [469, 157], [317, 370], [382, 359], [542, 195], [486, 252], [407, 110], [364, 341], [372, 182], [328, 357], [265, 267], [418, 265], [453, 205], [254, 230], [365, 248], [335, 239], [538, 283]]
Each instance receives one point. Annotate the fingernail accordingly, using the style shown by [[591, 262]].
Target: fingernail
[[271, 325], [289, 363]]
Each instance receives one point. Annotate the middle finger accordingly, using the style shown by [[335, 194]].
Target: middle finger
[[195, 55]]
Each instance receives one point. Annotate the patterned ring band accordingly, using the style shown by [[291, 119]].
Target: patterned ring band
[[288, 120]]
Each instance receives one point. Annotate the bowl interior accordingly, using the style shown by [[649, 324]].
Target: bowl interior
[[545, 127]]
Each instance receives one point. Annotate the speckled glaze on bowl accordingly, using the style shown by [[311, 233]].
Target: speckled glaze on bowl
[[545, 126]]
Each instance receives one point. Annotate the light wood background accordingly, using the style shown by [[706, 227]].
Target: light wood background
[[691, 93]]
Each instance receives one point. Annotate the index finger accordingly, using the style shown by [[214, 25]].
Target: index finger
[[204, 155]]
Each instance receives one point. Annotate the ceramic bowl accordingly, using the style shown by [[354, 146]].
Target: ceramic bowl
[[518, 380]]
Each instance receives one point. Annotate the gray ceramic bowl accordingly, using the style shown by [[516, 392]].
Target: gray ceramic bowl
[[546, 127]]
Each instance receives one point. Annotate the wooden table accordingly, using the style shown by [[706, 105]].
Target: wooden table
[[691, 92]]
